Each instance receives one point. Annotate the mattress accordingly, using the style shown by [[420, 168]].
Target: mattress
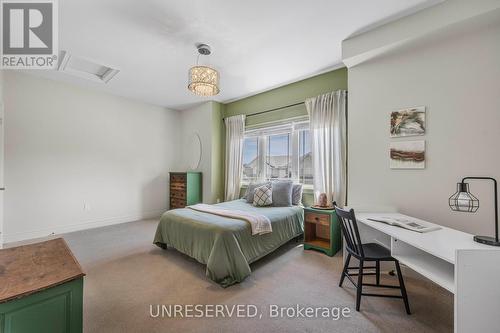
[[226, 245]]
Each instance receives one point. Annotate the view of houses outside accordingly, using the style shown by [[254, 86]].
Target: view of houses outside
[[250, 158], [278, 158], [305, 159]]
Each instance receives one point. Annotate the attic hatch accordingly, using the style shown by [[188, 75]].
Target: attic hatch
[[85, 69]]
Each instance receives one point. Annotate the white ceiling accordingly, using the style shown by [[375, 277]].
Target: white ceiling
[[257, 45]]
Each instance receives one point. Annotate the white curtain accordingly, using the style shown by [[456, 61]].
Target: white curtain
[[235, 131], [327, 123]]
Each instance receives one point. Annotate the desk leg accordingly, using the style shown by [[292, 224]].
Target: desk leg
[[477, 291]]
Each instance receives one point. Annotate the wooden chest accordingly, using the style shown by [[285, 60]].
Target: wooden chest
[[185, 189], [41, 289]]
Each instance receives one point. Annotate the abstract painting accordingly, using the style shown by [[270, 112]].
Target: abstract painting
[[408, 122], [407, 155]]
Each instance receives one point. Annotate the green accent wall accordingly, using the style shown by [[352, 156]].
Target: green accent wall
[[289, 94]]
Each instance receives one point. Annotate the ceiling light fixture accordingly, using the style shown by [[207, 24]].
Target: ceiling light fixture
[[203, 80]]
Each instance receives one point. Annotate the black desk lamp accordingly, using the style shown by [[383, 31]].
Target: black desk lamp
[[464, 201]]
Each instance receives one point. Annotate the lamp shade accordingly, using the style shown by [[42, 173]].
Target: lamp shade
[[203, 81], [463, 200]]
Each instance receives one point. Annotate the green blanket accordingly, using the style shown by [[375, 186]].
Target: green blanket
[[224, 244]]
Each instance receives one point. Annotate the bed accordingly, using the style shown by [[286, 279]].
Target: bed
[[226, 245]]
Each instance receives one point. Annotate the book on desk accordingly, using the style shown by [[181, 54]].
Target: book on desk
[[406, 222]]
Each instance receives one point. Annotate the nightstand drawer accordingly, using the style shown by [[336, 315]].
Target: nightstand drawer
[[322, 219]]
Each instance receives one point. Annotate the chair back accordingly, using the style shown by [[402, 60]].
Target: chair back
[[350, 231]]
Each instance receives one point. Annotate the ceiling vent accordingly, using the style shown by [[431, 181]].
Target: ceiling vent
[[85, 68]]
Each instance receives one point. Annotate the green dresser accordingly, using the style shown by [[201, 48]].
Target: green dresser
[[185, 189], [41, 289], [322, 231]]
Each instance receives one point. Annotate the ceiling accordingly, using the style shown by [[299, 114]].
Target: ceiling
[[257, 45]]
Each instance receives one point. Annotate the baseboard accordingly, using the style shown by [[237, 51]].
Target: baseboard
[[57, 230]]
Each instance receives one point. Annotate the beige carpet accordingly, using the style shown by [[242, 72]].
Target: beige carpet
[[126, 273]]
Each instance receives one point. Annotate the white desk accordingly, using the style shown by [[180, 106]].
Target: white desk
[[451, 259]]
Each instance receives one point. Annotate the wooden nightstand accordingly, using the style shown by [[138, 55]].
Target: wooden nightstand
[[321, 231]]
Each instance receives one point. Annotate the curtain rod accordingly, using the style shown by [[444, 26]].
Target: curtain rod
[[270, 110]]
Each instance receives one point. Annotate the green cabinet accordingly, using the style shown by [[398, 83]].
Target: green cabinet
[[41, 289], [54, 310], [185, 189], [322, 231]]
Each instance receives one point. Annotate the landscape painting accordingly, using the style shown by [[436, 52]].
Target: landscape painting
[[408, 122], [407, 155]]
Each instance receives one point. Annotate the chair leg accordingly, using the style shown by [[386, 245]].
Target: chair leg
[[377, 272], [403, 288], [359, 287], [342, 277]]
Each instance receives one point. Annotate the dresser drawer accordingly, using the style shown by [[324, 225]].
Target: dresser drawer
[[178, 194], [177, 203], [175, 186], [181, 178], [185, 189], [322, 219]]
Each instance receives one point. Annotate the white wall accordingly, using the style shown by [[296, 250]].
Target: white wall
[[456, 74], [199, 120], [77, 158]]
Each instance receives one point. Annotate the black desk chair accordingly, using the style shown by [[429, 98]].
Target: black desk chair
[[366, 253]]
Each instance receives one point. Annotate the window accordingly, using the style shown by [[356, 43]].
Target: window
[[278, 152], [278, 159], [305, 158], [250, 159]]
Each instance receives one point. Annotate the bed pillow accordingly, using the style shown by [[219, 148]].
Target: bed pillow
[[263, 196], [282, 193], [297, 194], [249, 194]]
